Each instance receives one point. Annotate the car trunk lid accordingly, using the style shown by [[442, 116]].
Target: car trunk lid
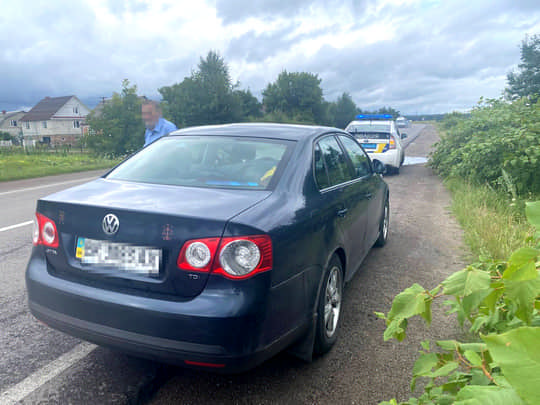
[[151, 217]]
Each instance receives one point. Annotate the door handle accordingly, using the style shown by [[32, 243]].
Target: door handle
[[368, 196], [342, 212]]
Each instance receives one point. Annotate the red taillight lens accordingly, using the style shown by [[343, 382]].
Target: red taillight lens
[[44, 232], [392, 143], [197, 255], [232, 257]]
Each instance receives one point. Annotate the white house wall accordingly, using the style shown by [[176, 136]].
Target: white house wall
[[67, 110]]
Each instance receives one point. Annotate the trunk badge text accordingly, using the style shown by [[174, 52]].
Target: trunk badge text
[[110, 224], [167, 232]]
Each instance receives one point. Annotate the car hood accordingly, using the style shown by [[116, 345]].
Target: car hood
[[212, 203]]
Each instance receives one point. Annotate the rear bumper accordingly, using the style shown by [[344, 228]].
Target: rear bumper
[[388, 158], [215, 330]]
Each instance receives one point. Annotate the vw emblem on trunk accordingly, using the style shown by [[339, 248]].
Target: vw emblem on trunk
[[110, 224]]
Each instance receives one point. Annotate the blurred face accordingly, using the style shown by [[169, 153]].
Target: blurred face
[[150, 116]]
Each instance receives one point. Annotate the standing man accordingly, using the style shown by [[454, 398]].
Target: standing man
[[156, 125]]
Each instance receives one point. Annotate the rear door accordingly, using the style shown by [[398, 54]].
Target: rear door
[[344, 196], [369, 190]]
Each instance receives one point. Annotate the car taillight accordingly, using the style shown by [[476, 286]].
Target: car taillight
[[392, 143], [231, 257], [44, 231], [197, 255]]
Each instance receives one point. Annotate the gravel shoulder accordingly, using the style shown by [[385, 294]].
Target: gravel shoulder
[[425, 247]]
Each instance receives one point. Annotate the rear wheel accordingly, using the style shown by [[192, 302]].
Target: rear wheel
[[383, 225], [329, 307]]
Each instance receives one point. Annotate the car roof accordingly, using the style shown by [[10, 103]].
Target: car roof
[[259, 130]]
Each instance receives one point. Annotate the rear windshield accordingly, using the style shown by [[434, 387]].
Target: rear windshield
[[371, 135], [369, 127], [208, 161]]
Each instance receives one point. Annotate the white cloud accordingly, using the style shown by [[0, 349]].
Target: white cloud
[[416, 55]]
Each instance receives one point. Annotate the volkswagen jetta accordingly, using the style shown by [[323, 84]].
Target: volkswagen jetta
[[215, 246]]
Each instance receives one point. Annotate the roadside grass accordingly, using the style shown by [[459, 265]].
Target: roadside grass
[[493, 225], [15, 166]]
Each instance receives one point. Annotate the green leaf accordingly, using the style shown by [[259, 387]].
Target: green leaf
[[395, 329], [478, 377], [380, 315], [532, 210], [471, 302], [408, 303], [475, 347], [521, 265], [449, 345], [523, 293], [492, 395], [473, 358], [493, 297], [424, 364], [445, 370], [466, 281], [517, 353], [425, 344]]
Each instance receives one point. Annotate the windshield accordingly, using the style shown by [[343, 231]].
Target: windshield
[[369, 126], [207, 161]]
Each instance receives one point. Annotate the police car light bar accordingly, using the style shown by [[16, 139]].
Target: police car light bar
[[374, 117]]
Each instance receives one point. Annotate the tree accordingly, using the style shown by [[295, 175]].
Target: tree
[[298, 95], [117, 128], [526, 81], [249, 104], [6, 136], [205, 97], [345, 110]]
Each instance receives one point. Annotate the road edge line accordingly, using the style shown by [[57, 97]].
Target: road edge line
[[42, 376]]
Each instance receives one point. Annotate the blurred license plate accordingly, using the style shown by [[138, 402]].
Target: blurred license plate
[[119, 256]]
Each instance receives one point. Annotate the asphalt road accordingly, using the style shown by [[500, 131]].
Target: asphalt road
[[40, 365]]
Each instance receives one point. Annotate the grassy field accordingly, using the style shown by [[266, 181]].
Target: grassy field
[[493, 225], [14, 166]]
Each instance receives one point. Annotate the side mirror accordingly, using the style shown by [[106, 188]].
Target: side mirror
[[403, 136], [378, 167]]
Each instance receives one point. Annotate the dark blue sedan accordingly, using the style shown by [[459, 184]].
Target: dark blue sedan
[[214, 247]]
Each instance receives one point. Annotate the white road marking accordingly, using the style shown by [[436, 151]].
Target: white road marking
[[45, 374], [7, 228], [47, 185]]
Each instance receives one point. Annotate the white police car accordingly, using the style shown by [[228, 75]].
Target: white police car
[[402, 122], [380, 137]]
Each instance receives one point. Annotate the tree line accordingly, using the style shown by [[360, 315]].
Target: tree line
[[209, 96]]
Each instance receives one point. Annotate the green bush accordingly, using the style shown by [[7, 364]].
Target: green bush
[[500, 301], [498, 145]]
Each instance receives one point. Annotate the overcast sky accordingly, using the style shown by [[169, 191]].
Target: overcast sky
[[423, 56]]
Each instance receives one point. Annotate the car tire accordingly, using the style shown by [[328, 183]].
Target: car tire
[[384, 225], [329, 307]]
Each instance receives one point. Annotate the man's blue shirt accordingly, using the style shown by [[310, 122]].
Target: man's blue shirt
[[162, 128]]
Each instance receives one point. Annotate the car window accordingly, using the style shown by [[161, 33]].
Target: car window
[[321, 175], [335, 160], [207, 161], [369, 126], [358, 157]]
